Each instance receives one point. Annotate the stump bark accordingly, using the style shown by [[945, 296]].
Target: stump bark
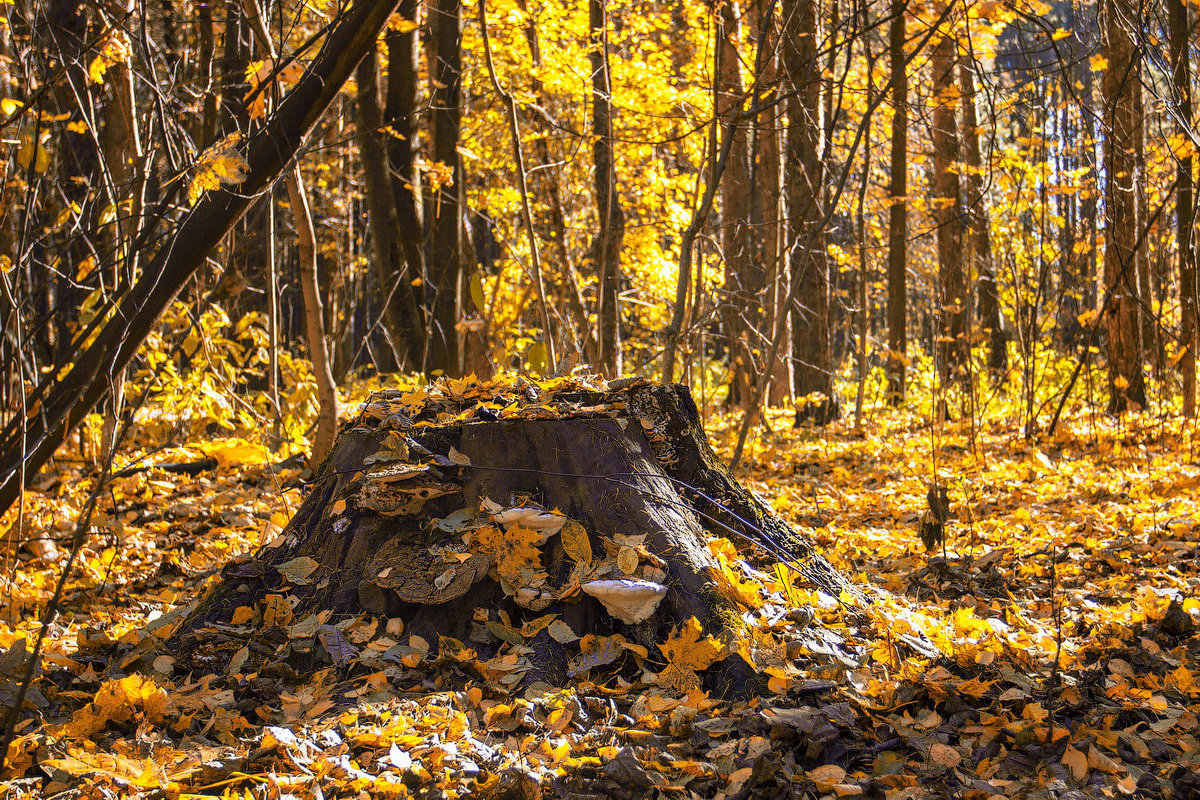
[[468, 514]]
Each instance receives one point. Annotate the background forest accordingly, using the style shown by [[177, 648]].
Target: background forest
[[928, 270], [758, 200]]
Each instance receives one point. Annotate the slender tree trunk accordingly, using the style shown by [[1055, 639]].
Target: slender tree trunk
[[68, 30], [954, 345], [314, 318], [445, 227], [610, 235], [741, 310], [67, 397], [1146, 314], [546, 178], [382, 225], [980, 231], [863, 296], [306, 250], [766, 216], [405, 327], [898, 211], [206, 131], [804, 177], [1089, 203], [1127, 387], [400, 114], [121, 150], [514, 129], [1185, 212]]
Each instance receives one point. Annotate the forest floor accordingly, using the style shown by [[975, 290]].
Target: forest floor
[[1048, 649]]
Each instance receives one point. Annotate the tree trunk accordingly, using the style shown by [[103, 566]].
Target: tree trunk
[[314, 318], [1151, 349], [387, 264], [1127, 387], [546, 177], [1185, 212], [744, 279], [445, 227], [124, 179], [610, 234], [204, 126], [400, 114], [980, 231], [447, 548], [1089, 271], [804, 177], [66, 400], [518, 151], [953, 342], [766, 217], [405, 328], [898, 211], [306, 252]]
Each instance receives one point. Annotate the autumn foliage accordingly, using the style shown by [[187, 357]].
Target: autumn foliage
[[928, 270]]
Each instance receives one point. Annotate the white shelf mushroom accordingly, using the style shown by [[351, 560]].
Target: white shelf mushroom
[[630, 601]]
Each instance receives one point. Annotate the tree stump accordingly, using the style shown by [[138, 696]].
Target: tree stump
[[470, 511]]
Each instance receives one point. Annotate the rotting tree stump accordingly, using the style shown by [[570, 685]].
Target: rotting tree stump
[[471, 512]]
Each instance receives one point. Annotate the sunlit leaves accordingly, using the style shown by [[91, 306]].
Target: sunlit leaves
[[115, 49], [515, 551], [220, 165], [688, 652], [234, 451], [120, 701], [34, 155]]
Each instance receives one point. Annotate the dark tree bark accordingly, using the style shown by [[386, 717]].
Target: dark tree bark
[[744, 274], [444, 288], [62, 402], [1185, 212], [1151, 345], [953, 341], [204, 126], [898, 212], [642, 464], [766, 203], [610, 234], [1127, 387], [804, 178], [401, 315], [400, 114]]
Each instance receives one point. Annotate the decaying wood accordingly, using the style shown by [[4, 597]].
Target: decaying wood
[[433, 523]]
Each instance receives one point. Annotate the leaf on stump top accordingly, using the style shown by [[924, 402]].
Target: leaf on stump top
[[514, 550]]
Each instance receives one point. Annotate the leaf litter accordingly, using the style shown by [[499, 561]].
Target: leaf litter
[[1049, 650]]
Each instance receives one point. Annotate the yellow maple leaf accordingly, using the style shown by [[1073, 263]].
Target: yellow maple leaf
[[731, 581], [219, 165], [515, 551], [687, 652]]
